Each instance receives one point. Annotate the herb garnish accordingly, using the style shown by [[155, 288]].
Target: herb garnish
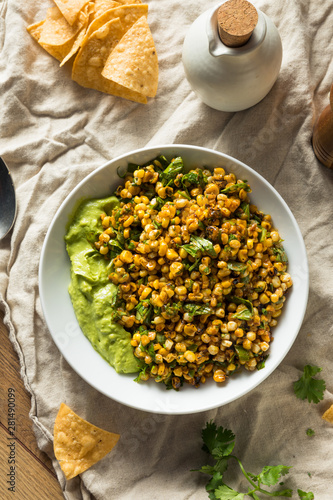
[[308, 387], [238, 267], [170, 173], [195, 310], [305, 496], [219, 443], [144, 312], [198, 244], [195, 178], [236, 187]]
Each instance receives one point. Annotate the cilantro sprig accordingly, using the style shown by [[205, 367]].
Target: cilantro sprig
[[307, 387], [305, 496], [220, 443]]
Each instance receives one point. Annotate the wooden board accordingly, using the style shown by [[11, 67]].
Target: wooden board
[[34, 475]]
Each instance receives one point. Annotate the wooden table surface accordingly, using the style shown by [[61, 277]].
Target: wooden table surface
[[34, 477]]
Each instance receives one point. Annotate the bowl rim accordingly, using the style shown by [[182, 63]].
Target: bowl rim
[[162, 150]]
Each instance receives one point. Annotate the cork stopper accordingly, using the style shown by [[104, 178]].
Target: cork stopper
[[236, 21]]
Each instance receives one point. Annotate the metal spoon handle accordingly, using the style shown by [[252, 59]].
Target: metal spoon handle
[[7, 200]]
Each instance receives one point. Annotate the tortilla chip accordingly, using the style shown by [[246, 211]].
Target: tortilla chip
[[78, 444], [75, 47], [56, 30], [36, 29], [124, 2], [128, 15], [89, 62], [328, 415], [57, 51], [81, 35], [102, 6], [57, 37], [133, 62], [70, 9]]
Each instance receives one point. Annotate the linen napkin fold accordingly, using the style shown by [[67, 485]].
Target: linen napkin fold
[[53, 133]]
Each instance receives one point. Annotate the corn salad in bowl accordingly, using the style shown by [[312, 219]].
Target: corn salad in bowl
[[201, 273], [69, 337]]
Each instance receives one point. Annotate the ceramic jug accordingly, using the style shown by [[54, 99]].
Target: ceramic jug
[[231, 78]]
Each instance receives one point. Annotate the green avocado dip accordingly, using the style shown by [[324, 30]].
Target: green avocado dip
[[91, 291]]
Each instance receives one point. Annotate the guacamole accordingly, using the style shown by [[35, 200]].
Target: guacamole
[[91, 291]]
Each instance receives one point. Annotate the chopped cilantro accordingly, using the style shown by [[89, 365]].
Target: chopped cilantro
[[280, 254], [239, 300], [261, 363], [244, 315], [263, 234], [242, 353], [142, 372], [236, 187], [238, 267], [198, 244], [170, 173], [196, 178], [144, 312], [195, 310], [310, 432], [246, 209]]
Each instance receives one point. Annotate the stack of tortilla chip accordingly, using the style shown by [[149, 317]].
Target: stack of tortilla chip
[[114, 47]]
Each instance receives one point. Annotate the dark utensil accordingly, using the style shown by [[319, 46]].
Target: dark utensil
[[7, 200]]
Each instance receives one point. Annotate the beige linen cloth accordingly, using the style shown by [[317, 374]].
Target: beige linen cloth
[[53, 133]]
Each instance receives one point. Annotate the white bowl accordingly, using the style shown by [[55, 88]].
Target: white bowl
[[54, 277]]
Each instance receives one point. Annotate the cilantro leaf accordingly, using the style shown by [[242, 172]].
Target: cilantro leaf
[[116, 247], [206, 245], [114, 297], [280, 253], [142, 372], [263, 234], [305, 496], [144, 312], [170, 173], [225, 493], [308, 387], [310, 432], [195, 178], [261, 364], [198, 244], [242, 353], [236, 187], [244, 315], [207, 469], [270, 475], [240, 300], [213, 484], [246, 209], [195, 310], [217, 441], [192, 248], [237, 266]]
